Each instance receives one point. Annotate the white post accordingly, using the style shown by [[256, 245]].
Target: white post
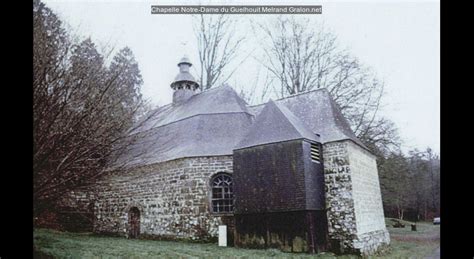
[[223, 235]]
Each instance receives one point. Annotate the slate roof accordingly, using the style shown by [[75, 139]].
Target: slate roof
[[317, 110], [214, 122], [275, 123], [184, 76], [210, 123], [218, 100]]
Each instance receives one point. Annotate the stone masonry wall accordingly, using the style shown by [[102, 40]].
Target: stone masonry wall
[[173, 198], [339, 199], [74, 211], [353, 199], [369, 215], [80, 199], [366, 190]]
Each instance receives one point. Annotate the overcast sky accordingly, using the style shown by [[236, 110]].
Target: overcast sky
[[398, 40]]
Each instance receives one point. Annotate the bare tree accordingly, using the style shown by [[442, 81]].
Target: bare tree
[[303, 57], [217, 47], [258, 90], [83, 110]]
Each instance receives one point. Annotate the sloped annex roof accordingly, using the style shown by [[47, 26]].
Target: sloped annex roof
[[317, 110], [275, 123]]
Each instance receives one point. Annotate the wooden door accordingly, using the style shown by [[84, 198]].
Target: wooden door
[[133, 223]]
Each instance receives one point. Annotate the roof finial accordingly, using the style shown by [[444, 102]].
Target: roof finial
[[185, 58], [185, 61]]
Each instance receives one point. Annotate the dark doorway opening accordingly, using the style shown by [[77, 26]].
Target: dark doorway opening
[[133, 222]]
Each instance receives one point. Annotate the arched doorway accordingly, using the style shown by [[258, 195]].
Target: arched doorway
[[133, 222]]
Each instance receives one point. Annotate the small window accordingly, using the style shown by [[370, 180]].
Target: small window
[[315, 154], [222, 194]]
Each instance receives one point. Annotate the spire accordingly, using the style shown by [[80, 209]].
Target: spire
[[184, 84]]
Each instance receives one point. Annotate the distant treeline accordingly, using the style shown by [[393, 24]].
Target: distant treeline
[[410, 185]]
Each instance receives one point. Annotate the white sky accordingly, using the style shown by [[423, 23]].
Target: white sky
[[399, 40]]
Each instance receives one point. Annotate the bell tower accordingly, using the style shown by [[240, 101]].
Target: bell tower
[[184, 84]]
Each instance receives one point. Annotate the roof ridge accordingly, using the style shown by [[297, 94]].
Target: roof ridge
[[293, 95], [212, 88], [203, 91]]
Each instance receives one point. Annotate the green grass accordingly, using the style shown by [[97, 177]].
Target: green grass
[[413, 244], [405, 244], [390, 221], [73, 245]]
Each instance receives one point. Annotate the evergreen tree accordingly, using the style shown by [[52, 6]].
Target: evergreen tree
[[83, 110]]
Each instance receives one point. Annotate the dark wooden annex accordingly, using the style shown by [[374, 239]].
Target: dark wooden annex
[[279, 185]]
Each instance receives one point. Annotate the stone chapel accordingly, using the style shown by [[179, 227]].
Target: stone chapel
[[288, 174]]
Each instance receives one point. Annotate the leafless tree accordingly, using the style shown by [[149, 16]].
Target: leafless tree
[[259, 88], [218, 47], [83, 110], [303, 56]]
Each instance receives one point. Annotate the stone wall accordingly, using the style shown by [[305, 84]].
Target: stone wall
[[172, 197], [80, 200], [339, 199], [371, 242], [353, 199], [75, 211], [365, 190], [370, 220]]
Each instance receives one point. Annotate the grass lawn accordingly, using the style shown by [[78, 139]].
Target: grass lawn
[[405, 244], [413, 244]]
